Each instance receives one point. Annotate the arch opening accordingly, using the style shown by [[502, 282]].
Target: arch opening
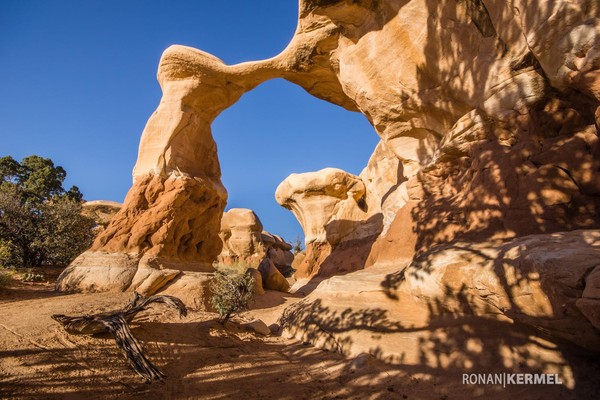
[[278, 129]]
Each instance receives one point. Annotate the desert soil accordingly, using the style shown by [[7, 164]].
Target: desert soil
[[201, 359]]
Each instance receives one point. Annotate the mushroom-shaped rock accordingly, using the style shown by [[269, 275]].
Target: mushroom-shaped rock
[[331, 207], [327, 203]]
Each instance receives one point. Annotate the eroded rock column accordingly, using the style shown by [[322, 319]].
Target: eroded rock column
[[171, 216], [330, 205]]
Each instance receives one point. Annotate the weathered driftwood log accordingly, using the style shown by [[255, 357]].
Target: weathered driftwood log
[[115, 322]]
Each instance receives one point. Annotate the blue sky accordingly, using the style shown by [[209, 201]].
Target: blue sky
[[79, 83]]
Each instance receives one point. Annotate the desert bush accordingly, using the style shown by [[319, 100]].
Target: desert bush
[[40, 222], [232, 291], [297, 245], [6, 278]]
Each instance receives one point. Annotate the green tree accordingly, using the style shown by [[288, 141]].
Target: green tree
[[40, 222]]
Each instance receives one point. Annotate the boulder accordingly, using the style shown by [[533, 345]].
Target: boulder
[[272, 279], [257, 326], [258, 282], [193, 288]]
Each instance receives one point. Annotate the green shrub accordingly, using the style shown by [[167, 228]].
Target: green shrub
[[231, 292], [7, 254], [5, 279]]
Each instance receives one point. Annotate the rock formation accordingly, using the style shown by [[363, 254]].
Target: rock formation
[[241, 234], [279, 251], [434, 310], [101, 211], [472, 113], [246, 242], [488, 114], [492, 114], [247, 245], [271, 277], [330, 205]]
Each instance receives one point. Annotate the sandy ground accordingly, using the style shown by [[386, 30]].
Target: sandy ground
[[202, 360]]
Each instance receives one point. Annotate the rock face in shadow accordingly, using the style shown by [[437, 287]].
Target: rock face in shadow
[[463, 305], [486, 134], [488, 116]]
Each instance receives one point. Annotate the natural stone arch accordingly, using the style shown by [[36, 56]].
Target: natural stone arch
[[391, 61], [171, 216]]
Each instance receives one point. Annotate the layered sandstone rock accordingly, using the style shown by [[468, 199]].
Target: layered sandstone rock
[[171, 215], [460, 138], [166, 225], [484, 295], [177, 164], [386, 182], [491, 113]]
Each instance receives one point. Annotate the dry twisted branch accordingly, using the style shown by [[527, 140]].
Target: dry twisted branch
[[115, 322]]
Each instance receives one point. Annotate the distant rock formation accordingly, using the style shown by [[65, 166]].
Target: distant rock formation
[[241, 234], [101, 211], [246, 244], [330, 205]]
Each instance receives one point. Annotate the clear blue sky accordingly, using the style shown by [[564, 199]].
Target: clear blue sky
[[79, 83]]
